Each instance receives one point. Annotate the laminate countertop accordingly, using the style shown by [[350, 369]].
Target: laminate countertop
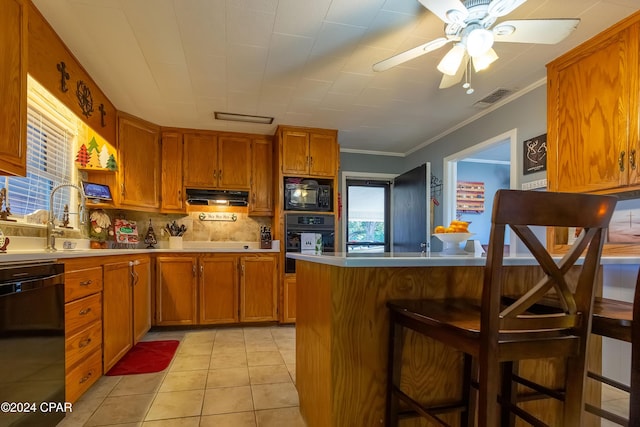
[[25, 253]]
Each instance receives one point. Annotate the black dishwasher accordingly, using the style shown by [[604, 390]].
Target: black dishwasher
[[32, 344]]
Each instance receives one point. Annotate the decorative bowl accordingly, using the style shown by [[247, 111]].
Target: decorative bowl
[[451, 242]]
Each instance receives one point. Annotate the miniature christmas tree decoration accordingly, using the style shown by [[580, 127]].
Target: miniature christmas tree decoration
[[150, 237]]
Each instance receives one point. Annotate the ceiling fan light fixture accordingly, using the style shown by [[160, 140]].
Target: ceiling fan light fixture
[[479, 41], [483, 61], [451, 62]]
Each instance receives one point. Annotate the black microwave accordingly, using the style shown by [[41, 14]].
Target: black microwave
[[307, 197]]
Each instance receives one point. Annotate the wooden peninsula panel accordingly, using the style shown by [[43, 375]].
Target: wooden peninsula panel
[[342, 334]]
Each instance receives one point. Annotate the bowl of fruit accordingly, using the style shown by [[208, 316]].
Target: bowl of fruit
[[452, 236]]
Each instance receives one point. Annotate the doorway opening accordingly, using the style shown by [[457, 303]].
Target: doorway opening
[[491, 164], [367, 213]]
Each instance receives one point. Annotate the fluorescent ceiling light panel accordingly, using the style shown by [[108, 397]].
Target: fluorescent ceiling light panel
[[243, 118]]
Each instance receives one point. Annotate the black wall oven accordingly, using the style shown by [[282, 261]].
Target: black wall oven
[[297, 224], [32, 343]]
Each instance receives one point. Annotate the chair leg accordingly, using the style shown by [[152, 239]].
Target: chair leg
[[468, 394], [508, 394], [394, 364], [574, 394], [488, 389]]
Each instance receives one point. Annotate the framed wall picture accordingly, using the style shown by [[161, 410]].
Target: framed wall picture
[[535, 154]]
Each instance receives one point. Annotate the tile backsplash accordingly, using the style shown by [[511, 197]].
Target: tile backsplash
[[243, 229]]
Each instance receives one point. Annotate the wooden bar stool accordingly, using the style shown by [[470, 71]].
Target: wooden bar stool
[[620, 320], [489, 333]]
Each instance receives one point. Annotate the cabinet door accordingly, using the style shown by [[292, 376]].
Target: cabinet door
[[589, 114], [322, 155], [117, 313], [258, 289], [141, 270], [289, 299], [295, 152], [261, 198], [139, 147], [218, 289], [234, 162], [13, 90], [176, 291], [200, 160], [171, 184]]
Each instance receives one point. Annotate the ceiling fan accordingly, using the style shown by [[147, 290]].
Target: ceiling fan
[[468, 25]]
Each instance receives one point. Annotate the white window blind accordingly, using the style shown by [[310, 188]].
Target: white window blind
[[48, 164]]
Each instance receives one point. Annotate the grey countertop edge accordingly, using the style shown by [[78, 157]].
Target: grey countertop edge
[[26, 255], [434, 260]]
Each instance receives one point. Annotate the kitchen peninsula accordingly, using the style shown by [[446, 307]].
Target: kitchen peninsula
[[342, 329]]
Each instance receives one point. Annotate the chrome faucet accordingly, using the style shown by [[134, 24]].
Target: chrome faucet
[[51, 227]]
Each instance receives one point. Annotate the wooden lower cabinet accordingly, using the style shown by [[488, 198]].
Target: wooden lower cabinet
[[176, 289], [258, 288], [216, 289], [289, 299], [127, 306], [83, 326]]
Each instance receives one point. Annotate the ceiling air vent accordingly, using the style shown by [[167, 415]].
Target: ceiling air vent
[[492, 98]]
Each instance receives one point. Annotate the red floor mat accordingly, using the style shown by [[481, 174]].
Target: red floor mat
[[146, 357]]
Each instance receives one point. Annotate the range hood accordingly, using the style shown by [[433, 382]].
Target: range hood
[[217, 197]]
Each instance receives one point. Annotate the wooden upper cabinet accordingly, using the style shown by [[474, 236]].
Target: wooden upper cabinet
[[139, 147], [261, 197], [200, 160], [323, 155], [593, 113], [295, 152], [309, 153], [171, 184], [13, 87], [234, 162], [217, 161]]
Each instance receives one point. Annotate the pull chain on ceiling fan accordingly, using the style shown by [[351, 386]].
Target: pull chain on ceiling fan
[[468, 24]]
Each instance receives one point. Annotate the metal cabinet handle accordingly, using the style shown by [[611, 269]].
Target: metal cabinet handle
[[311, 161], [215, 174], [122, 189], [194, 270], [85, 311], [621, 161], [220, 174], [201, 269], [84, 343], [86, 282], [632, 159], [85, 378]]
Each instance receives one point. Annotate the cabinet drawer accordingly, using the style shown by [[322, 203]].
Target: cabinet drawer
[[80, 378], [79, 345], [80, 283], [82, 312]]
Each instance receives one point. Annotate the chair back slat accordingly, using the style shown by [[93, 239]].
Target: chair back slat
[[522, 209]]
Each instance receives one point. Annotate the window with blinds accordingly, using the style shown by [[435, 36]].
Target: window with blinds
[[49, 147]]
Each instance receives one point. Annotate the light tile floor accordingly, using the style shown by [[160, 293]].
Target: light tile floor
[[235, 377], [225, 377]]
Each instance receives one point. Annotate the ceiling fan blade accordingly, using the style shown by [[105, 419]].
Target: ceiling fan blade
[[450, 11], [410, 54], [499, 8], [448, 81], [539, 31]]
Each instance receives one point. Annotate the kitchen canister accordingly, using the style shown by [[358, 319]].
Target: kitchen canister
[[175, 242]]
